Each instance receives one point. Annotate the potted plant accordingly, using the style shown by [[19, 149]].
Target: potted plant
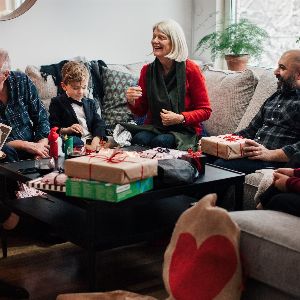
[[236, 43]]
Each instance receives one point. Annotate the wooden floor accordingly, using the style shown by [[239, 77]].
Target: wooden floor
[[47, 270]]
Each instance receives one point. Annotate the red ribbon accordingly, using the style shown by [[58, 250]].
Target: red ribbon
[[113, 158], [195, 156], [231, 138]]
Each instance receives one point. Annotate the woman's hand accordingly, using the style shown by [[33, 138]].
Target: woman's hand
[[133, 93], [170, 118], [279, 181], [286, 171]]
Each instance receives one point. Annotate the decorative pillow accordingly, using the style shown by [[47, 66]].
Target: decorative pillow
[[266, 86], [202, 260], [230, 93], [46, 88], [115, 108]]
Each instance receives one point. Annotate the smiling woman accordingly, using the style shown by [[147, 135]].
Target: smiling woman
[[10, 9]]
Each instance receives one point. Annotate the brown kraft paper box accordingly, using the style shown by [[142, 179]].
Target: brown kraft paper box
[[108, 166], [227, 146]]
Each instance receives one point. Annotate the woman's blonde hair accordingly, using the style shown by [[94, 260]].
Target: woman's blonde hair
[[173, 30]]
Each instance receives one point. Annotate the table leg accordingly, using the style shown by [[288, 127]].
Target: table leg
[[92, 261], [239, 195]]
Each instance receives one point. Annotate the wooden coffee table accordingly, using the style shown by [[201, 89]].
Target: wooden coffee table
[[98, 225]]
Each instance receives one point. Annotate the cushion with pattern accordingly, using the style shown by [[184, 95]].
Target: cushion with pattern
[[115, 84]]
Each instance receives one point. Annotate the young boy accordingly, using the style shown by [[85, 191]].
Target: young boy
[[73, 113]]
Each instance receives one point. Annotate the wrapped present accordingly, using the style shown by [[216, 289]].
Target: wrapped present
[[161, 153], [229, 146], [97, 190], [111, 166], [197, 159], [46, 186]]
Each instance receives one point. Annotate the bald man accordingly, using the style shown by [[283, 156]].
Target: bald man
[[273, 136]]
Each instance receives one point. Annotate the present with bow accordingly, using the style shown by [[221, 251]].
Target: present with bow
[[197, 159], [111, 165], [228, 146]]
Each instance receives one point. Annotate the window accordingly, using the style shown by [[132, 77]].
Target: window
[[281, 19]]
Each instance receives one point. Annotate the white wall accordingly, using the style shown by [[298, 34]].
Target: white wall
[[117, 31]]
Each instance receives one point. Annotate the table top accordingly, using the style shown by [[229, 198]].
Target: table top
[[132, 217]]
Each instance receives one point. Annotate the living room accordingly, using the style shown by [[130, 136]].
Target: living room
[[119, 33]]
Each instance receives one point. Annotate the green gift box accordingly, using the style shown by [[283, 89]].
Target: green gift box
[[97, 190]]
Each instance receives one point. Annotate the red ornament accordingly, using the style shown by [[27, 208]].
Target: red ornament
[[53, 142]]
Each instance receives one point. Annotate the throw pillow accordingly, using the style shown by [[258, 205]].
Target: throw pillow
[[46, 88], [115, 108], [230, 93], [202, 260], [266, 86]]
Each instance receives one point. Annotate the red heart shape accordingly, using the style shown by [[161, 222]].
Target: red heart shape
[[201, 273]]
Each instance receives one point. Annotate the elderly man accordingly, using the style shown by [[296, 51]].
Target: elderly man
[[273, 136], [21, 108]]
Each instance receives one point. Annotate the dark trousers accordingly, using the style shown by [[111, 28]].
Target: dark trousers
[[150, 139], [275, 199], [14, 155]]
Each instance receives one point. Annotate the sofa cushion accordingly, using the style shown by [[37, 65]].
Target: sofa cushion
[[266, 86], [230, 93], [115, 108], [270, 246], [46, 88]]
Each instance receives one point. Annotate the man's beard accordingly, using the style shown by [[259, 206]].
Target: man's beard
[[286, 85]]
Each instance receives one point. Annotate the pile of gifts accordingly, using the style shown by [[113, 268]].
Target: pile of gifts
[[110, 174]]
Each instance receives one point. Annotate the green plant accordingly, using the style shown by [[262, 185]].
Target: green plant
[[238, 38], [298, 40]]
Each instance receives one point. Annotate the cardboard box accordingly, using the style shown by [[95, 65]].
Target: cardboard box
[[110, 166], [96, 190], [227, 146]]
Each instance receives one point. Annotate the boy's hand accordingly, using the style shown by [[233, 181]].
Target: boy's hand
[[75, 128], [279, 181]]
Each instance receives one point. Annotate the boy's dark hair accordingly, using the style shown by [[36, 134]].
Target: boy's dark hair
[[73, 71]]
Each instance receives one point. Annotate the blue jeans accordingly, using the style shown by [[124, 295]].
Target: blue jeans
[[14, 155], [247, 166], [150, 139]]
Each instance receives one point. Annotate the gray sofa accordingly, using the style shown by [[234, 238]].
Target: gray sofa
[[270, 244]]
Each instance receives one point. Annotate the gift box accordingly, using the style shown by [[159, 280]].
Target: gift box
[[197, 159], [111, 166], [40, 185], [227, 146], [97, 190]]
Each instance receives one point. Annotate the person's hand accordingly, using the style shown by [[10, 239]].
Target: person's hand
[[286, 171], [38, 149], [256, 151], [279, 181], [170, 118], [75, 128], [11, 222], [133, 93]]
